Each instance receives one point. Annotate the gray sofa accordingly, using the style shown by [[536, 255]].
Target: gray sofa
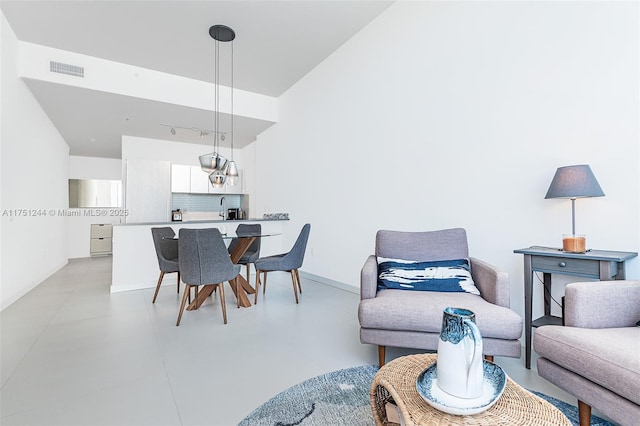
[[412, 319], [596, 356]]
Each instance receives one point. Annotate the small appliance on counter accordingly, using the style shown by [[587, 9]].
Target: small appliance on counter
[[233, 214], [176, 216]]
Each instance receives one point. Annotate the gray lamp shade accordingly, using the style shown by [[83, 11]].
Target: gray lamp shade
[[574, 182]]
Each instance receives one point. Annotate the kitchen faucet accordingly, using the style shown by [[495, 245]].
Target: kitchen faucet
[[222, 209]]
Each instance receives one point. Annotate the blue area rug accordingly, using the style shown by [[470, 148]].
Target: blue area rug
[[342, 398]]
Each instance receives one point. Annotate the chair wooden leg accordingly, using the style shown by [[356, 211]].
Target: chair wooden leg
[[255, 297], [299, 282], [584, 413], [489, 358], [187, 290], [248, 271], [295, 287], [158, 286], [236, 284], [264, 284], [178, 283], [381, 355], [222, 302]]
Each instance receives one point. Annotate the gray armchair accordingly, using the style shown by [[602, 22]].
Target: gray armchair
[[596, 355], [412, 319]]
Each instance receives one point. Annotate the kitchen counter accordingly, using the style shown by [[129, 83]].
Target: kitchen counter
[[216, 221], [135, 265]]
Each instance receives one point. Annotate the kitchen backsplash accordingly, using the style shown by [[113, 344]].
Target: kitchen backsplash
[[204, 202]]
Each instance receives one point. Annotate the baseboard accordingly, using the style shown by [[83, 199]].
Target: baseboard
[[35, 283], [332, 283]]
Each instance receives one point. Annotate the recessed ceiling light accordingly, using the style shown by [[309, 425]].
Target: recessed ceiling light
[[92, 140]]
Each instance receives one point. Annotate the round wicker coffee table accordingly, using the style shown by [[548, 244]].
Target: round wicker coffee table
[[397, 380]]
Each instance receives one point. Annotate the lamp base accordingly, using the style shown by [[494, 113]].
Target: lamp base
[[574, 243]]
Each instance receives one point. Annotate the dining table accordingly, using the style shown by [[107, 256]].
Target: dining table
[[240, 286]]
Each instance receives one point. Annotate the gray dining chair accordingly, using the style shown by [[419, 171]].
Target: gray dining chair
[[167, 252], [204, 260], [253, 252], [288, 262]]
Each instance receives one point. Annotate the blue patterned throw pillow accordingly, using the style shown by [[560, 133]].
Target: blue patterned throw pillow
[[443, 275]]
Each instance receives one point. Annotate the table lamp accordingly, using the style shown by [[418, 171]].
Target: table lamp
[[574, 182]]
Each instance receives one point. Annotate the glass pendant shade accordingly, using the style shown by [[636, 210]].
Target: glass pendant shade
[[212, 162], [232, 173], [217, 179]]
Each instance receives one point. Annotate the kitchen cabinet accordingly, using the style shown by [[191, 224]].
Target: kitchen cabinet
[[193, 180], [180, 178], [147, 190], [199, 180], [100, 244]]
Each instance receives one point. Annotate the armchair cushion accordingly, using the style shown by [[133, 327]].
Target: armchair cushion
[[445, 275], [413, 311], [605, 356]]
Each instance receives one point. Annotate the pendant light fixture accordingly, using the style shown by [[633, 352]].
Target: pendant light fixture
[[213, 163], [232, 168]]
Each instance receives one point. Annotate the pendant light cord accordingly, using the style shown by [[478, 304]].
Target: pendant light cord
[[217, 96], [231, 100]]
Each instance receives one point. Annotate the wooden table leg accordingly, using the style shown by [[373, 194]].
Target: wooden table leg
[[240, 285], [202, 296], [241, 248], [240, 292]]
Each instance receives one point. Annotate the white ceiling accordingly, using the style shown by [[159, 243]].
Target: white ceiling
[[277, 43]]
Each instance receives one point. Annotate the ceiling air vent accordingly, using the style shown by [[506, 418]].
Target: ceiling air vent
[[67, 69]]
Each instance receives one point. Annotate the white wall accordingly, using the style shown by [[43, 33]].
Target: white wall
[[34, 184], [457, 114], [94, 168]]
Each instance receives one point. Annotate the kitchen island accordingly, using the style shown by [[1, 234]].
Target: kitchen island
[[135, 265]]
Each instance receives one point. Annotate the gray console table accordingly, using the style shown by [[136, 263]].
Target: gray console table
[[596, 264]]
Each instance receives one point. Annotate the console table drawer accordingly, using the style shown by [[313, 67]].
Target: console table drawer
[[568, 266]]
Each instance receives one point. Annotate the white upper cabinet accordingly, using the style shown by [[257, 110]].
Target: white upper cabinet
[[180, 178], [199, 181], [191, 179]]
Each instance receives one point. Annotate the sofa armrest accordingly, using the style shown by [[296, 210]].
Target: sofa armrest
[[492, 283], [369, 278], [602, 304]]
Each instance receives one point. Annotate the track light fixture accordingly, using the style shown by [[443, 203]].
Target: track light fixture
[[203, 132]]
